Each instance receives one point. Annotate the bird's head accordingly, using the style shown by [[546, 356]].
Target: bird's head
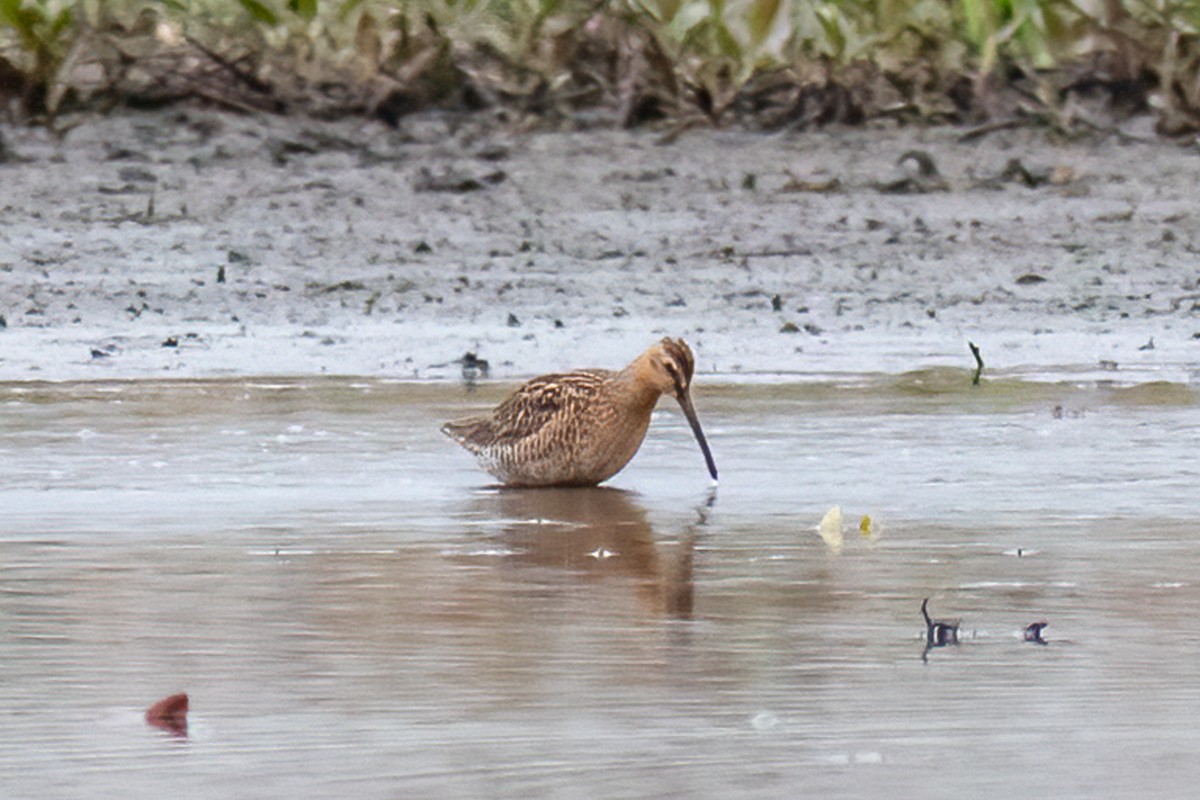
[[667, 367]]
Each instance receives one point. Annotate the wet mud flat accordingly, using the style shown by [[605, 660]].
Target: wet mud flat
[[187, 243]]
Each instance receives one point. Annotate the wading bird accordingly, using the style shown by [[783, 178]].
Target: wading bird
[[580, 428]]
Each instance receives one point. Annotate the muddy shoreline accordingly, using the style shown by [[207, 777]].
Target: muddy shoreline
[[189, 243]]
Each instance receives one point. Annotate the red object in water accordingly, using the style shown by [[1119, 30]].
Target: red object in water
[[170, 714]]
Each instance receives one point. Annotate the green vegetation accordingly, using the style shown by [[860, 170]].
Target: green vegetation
[[761, 63]]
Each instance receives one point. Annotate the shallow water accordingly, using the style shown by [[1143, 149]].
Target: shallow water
[[355, 612]]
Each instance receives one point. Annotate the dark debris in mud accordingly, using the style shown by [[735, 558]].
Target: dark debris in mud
[[916, 172], [670, 239], [455, 181]]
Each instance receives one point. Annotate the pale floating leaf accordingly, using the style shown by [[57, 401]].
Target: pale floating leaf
[[830, 529]]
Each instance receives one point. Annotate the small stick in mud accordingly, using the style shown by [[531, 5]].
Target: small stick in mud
[[978, 362], [938, 632]]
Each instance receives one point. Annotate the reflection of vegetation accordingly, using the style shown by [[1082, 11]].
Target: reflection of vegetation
[[768, 62]]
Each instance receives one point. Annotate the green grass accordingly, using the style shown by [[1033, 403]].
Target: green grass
[[724, 60]]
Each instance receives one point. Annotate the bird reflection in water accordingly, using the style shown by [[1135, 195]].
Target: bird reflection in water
[[599, 531]]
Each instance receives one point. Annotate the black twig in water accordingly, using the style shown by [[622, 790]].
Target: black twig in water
[[978, 363]]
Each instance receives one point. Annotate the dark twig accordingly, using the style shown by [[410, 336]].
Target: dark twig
[[229, 103], [981, 131], [232, 67], [978, 363], [938, 632]]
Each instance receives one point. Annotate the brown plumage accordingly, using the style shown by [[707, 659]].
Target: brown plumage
[[580, 428]]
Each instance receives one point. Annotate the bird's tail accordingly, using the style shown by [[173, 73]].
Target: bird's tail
[[468, 432]]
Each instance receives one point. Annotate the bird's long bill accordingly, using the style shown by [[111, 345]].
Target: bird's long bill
[[685, 402]]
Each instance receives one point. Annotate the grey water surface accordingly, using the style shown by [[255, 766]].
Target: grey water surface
[[355, 611]]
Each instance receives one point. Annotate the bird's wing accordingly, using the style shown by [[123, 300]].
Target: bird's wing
[[542, 403], [531, 410]]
